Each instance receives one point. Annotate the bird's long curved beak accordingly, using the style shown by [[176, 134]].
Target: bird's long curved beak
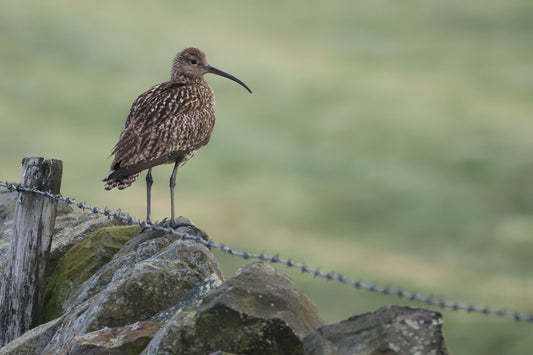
[[216, 71]]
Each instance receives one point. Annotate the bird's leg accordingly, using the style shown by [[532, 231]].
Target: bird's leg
[[172, 185], [149, 182]]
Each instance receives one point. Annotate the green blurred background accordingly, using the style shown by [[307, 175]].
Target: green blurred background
[[390, 141]]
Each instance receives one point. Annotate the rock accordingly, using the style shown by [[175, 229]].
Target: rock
[[134, 286], [139, 292], [189, 332], [262, 291], [71, 228], [148, 234], [34, 340], [148, 245], [81, 262], [130, 339], [191, 299], [257, 311], [389, 330]]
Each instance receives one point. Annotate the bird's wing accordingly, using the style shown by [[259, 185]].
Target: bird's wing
[[161, 126]]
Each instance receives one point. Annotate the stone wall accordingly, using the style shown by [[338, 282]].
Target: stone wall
[[117, 289]]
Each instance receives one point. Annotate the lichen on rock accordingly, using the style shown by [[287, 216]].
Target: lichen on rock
[[81, 262]]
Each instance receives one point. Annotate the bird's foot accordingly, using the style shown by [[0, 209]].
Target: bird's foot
[[182, 222], [176, 223], [147, 224]]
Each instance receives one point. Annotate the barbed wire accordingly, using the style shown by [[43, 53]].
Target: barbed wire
[[413, 296]]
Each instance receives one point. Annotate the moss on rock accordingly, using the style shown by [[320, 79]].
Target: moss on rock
[[81, 262]]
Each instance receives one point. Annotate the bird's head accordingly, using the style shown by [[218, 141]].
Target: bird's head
[[192, 63]]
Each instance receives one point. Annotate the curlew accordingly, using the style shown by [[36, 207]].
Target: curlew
[[167, 124]]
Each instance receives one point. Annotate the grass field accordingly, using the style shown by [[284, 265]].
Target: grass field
[[390, 141]]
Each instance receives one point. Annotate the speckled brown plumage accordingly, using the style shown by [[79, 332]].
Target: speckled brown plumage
[[168, 123]]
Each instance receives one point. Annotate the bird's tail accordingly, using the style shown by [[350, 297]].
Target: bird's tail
[[121, 182]]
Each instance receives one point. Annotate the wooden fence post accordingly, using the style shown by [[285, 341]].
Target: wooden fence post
[[23, 281]]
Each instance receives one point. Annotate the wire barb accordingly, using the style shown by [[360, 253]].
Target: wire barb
[[438, 302]]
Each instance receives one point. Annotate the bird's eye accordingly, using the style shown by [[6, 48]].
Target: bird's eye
[[193, 61]]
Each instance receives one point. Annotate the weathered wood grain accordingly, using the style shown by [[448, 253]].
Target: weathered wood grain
[[23, 282]]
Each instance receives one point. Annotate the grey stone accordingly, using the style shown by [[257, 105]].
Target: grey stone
[[191, 299], [71, 228], [34, 340], [389, 330], [130, 339], [262, 291], [157, 246], [134, 286], [81, 262], [257, 311]]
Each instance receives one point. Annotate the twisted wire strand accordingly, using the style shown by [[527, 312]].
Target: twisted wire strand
[[413, 296]]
